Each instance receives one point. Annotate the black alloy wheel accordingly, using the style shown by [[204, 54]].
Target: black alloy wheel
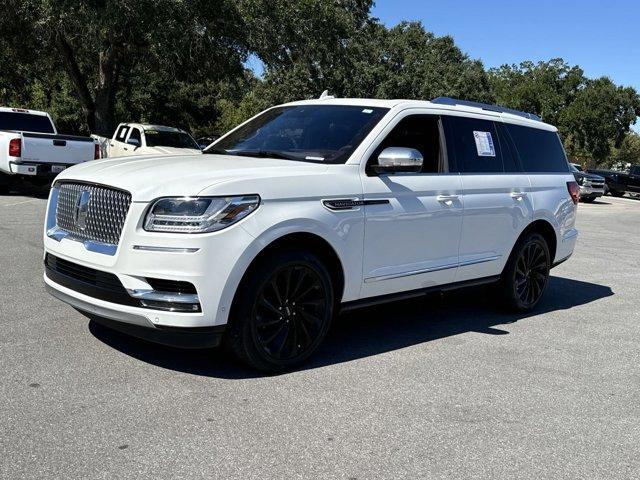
[[526, 274], [282, 311], [532, 271], [289, 312]]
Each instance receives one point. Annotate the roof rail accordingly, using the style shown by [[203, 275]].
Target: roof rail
[[485, 106]]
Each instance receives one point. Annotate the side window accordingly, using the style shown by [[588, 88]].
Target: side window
[[122, 133], [509, 153], [135, 135], [476, 144], [422, 133], [539, 150]]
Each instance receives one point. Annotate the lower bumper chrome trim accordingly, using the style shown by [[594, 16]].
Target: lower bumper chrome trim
[[150, 248], [98, 310]]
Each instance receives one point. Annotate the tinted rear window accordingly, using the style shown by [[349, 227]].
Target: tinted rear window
[[540, 151], [25, 122]]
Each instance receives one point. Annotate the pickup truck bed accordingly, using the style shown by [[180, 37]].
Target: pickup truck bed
[[37, 154]]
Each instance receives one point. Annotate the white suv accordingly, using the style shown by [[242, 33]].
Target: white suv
[[306, 209]]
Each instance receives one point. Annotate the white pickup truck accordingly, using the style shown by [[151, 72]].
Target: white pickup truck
[[147, 139], [31, 147]]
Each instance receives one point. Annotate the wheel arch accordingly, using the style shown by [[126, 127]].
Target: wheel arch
[[312, 243], [544, 228], [284, 236]]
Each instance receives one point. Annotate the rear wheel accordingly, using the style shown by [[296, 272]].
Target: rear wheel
[[526, 274], [5, 183], [282, 312]]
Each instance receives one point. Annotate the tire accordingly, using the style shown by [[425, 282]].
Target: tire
[[616, 193], [5, 184], [587, 199], [282, 311], [526, 275]]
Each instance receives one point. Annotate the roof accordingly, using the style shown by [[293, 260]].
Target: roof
[[441, 104], [150, 126], [22, 110]]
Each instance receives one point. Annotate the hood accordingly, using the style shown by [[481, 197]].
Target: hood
[[149, 177], [589, 176], [171, 151]]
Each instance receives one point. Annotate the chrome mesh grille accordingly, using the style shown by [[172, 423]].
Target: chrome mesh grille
[[105, 216]]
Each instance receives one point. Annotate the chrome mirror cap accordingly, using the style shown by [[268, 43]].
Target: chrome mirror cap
[[399, 159]]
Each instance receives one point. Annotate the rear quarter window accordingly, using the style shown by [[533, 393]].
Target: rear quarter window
[[540, 151]]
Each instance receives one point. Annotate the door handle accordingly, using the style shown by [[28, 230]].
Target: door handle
[[518, 195], [448, 199]]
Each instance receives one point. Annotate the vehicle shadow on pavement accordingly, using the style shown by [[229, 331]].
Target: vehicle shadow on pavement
[[374, 330]]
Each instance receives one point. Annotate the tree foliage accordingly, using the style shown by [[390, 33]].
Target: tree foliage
[[591, 114], [94, 63]]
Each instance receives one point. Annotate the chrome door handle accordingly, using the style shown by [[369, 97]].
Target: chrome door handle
[[518, 195], [448, 199]]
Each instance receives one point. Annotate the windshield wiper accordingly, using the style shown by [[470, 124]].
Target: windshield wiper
[[265, 154]]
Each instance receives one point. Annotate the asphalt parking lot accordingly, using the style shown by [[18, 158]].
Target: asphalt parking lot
[[432, 388]]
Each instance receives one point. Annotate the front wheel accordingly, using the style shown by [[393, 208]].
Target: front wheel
[[587, 199], [526, 274], [282, 311], [616, 193]]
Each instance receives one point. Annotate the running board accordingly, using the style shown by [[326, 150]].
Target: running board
[[394, 297]]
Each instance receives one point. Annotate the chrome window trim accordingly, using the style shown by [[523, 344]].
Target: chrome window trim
[[432, 269]]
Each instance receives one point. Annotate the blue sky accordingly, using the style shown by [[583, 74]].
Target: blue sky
[[603, 37]]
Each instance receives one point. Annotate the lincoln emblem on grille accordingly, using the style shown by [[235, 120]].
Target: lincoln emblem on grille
[[80, 212]]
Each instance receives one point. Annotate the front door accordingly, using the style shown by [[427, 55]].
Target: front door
[[412, 220]]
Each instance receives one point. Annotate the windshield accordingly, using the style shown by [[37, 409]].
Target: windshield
[[159, 138], [25, 122], [312, 133]]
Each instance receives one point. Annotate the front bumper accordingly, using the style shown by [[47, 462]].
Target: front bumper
[[591, 191], [134, 324], [212, 263]]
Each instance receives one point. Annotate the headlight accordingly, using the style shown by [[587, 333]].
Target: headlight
[[581, 180], [198, 214]]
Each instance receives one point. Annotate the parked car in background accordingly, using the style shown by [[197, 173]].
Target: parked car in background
[[204, 142], [309, 208], [30, 147], [591, 185], [619, 183], [146, 139]]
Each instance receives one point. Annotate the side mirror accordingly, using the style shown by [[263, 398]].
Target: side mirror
[[398, 160], [134, 141]]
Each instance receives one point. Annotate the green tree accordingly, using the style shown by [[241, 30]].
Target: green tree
[[629, 151], [107, 47], [600, 115]]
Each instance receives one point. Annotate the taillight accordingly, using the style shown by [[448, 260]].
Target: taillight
[[15, 147], [96, 151], [574, 191]]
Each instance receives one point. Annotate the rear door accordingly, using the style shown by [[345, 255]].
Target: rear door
[[412, 220], [497, 202]]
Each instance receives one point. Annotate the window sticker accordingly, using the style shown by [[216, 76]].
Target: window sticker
[[367, 110], [484, 144]]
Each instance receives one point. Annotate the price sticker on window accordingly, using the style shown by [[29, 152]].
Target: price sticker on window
[[484, 144]]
